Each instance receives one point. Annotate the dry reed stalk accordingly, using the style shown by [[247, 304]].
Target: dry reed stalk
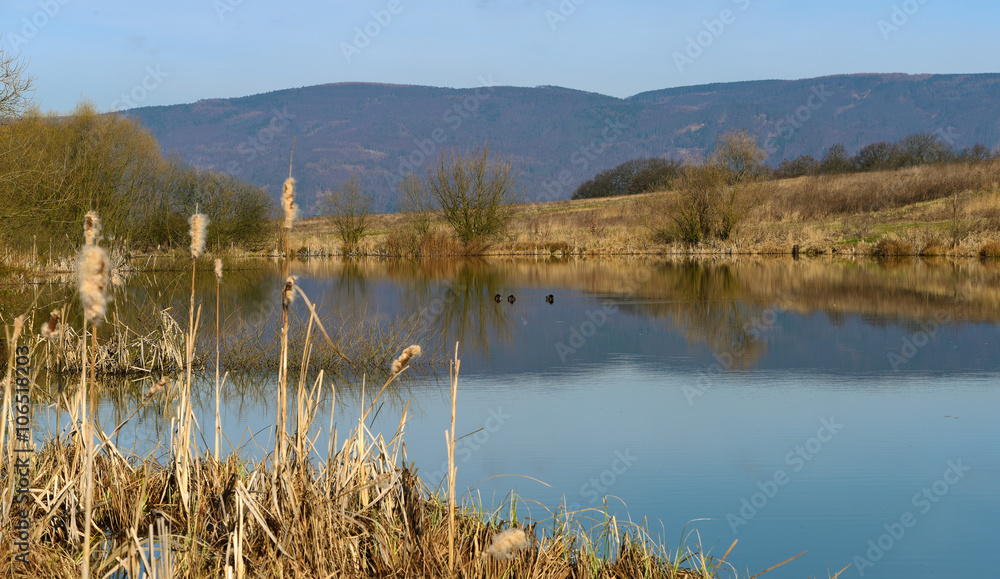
[[287, 296], [218, 296], [451, 462], [92, 272], [7, 432]]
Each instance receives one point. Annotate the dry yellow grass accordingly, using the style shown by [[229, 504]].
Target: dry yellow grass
[[952, 209]]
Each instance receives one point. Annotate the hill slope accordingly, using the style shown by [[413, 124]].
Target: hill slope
[[382, 132]]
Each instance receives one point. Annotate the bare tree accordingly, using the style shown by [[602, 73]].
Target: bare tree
[[694, 219], [415, 199], [15, 84], [717, 194], [741, 161], [349, 209], [477, 197]]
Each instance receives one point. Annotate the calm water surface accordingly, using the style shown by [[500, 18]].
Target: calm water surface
[[847, 410]]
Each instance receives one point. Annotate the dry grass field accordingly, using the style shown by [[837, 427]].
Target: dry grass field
[[931, 210]]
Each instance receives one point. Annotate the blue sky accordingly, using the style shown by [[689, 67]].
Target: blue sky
[[146, 52]]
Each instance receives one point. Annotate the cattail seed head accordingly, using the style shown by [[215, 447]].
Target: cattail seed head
[[199, 224], [218, 270], [50, 329], [92, 277], [288, 202], [288, 294], [91, 227], [506, 544], [404, 359], [158, 387]]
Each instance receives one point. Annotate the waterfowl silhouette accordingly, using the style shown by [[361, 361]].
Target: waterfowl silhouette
[[497, 298], [550, 299], [510, 299]]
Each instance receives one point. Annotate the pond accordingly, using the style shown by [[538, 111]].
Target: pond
[[843, 409]]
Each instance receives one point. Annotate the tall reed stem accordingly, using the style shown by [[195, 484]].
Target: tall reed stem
[[218, 425], [87, 446], [451, 463]]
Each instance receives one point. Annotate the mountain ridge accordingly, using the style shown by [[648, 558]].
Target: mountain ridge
[[557, 136]]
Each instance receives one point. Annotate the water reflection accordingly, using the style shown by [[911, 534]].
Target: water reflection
[[741, 314]]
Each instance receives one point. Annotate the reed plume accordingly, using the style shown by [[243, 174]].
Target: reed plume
[[506, 544], [91, 227], [288, 294], [50, 329], [92, 276], [218, 270], [404, 358], [157, 388], [199, 223], [288, 202]]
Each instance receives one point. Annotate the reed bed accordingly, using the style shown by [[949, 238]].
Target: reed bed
[[353, 509]]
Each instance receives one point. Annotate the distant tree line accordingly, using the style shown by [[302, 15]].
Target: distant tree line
[[53, 169], [631, 178], [910, 151], [658, 174]]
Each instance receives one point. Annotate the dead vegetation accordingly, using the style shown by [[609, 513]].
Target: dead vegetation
[[952, 208]]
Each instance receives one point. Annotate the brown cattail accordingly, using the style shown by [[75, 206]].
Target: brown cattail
[[91, 227], [404, 359], [50, 330], [288, 202], [199, 223], [158, 387], [218, 270], [506, 544], [92, 276], [288, 294], [116, 280]]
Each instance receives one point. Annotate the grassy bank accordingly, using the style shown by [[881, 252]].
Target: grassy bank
[[929, 210]]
